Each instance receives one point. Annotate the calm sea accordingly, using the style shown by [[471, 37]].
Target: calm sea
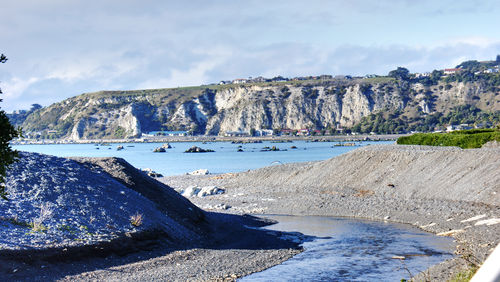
[[226, 157]]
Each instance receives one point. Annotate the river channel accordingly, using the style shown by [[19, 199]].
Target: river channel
[[346, 249]]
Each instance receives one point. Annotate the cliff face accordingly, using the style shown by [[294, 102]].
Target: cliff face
[[218, 110]]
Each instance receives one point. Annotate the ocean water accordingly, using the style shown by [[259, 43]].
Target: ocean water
[[226, 157], [356, 250]]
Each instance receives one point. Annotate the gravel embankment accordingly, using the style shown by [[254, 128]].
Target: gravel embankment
[[56, 202], [72, 219], [448, 191]]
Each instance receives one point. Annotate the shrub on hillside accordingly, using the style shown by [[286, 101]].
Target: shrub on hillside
[[465, 139]]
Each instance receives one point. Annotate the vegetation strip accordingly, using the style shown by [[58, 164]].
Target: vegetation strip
[[465, 139]]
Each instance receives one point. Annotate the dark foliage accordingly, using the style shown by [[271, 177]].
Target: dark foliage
[[395, 122], [7, 155], [465, 139], [400, 73]]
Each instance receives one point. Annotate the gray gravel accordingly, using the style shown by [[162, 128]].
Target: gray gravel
[[84, 208], [72, 205], [438, 189], [442, 190]]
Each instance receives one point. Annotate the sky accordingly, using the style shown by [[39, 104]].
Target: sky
[[57, 49]]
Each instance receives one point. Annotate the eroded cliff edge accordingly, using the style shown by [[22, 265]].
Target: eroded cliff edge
[[215, 110]]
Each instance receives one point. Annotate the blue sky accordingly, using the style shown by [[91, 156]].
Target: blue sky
[[59, 48]]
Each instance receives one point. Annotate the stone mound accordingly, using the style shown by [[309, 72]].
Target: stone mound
[[57, 202]]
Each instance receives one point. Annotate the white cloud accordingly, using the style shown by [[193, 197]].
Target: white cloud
[[58, 49], [14, 87], [195, 75], [478, 41], [102, 66]]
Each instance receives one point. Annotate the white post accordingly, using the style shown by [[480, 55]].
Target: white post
[[490, 270]]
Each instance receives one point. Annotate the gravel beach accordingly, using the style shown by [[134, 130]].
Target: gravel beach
[[447, 191]]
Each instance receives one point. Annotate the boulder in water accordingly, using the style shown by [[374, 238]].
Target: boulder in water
[[159, 150], [196, 149]]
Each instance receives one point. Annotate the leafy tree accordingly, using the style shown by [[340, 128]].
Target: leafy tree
[[498, 59], [436, 75], [400, 73], [7, 155], [35, 107], [472, 65]]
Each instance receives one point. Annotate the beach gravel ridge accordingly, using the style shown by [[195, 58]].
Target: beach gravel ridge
[[57, 202]]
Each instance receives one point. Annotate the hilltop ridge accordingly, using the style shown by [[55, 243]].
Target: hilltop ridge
[[397, 103]]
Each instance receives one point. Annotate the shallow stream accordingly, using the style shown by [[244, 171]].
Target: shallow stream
[[348, 249]]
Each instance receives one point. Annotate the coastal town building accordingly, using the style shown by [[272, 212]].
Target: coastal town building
[[240, 81], [423, 74], [286, 131], [263, 132], [451, 71], [239, 133], [304, 132], [166, 133], [462, 126]]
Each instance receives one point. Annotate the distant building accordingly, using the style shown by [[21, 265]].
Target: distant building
[[166, 133], [451, 71], [286, 131], [423, 74], [493, 70], [259, 79], [303, 131], [463, 126], [236, 133], [240, 80], [264, 132]]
